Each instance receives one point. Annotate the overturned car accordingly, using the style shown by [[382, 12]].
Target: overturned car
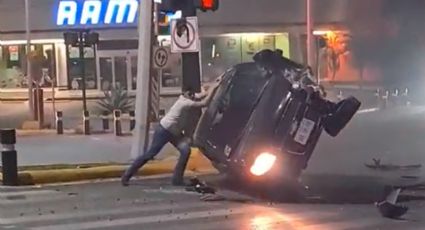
[[266, 118]]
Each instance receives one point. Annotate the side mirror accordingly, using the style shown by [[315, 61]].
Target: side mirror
[[342, 114]]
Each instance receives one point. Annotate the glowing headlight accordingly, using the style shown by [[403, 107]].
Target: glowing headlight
[[263, 163]]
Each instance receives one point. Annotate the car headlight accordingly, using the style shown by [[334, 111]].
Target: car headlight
[[263, 163]]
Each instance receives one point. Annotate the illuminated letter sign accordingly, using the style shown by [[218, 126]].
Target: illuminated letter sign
[[67, 13], [121, 8], [91, 11], [94, 12]]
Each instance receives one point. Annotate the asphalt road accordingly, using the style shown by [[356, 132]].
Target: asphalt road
[[153, 204], [394, 135]]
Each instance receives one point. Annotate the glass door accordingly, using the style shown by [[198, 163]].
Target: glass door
[[105, 73], [117, 69], [120, 72], [133, 71]]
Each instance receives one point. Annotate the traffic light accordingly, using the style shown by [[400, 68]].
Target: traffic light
[[206, 5], [71, 38], [175, 5], [171, 6], [91, 38]]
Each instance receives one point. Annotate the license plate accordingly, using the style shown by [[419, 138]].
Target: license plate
[[304, 131]]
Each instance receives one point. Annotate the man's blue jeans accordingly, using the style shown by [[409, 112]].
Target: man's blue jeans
[[160, 138]]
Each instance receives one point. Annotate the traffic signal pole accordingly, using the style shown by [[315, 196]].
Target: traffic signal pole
[[83, 69], [191, 71], [191, 65]]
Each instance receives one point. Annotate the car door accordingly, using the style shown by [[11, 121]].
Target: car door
[[230, 110]]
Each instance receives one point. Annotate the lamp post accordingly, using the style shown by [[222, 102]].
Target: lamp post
[[309, 19], [81, 39]]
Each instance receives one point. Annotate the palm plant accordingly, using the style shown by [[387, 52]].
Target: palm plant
[[116, 99]]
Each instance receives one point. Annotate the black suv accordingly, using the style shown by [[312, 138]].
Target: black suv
[[266, 117]]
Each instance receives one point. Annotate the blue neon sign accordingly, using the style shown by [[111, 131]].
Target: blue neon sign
[[95, 12], [99, 12]]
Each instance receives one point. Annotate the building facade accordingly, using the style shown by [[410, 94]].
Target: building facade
[[228, 36]]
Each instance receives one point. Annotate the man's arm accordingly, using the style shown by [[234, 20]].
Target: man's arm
[[207, 99], [201, 95]]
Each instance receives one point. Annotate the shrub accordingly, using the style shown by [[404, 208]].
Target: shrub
[[116, 99]]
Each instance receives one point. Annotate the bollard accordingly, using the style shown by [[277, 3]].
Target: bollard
[[395, 97], [132, 120], [405, 97], [9, 157], [105, 121], [38, 104], [340, 97], [385, 98], [59, 122], [117, 123], [86, 120], [378, 98]]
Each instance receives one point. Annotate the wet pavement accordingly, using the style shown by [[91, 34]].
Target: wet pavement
[[153, 204]]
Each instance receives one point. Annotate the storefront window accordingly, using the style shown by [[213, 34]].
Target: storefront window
[[75, 68], [221, 52], [172, 76], [13, 65]]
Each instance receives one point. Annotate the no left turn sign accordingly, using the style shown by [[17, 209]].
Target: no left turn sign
[[184, 35]]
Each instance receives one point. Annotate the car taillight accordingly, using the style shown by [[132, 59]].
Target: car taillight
[[263, 163]]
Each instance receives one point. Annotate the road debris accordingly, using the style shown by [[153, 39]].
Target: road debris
[[212, 197], [389, 208], [377, 165], [200, 187], [72, 194]]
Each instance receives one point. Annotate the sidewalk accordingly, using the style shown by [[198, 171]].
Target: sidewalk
[[51, 149], [49, 158]]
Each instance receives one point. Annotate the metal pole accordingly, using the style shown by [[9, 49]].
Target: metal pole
[[157, 73], [317, 59], [309, 34], [83, 69], [39, 101], [53, 101], [156, 20], [30, 81], [143, 67]]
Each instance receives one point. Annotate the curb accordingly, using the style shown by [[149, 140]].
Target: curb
[[66, 132], [197, 163], [30, 132]]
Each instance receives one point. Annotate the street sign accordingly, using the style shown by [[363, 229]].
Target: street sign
[[185, 35], [161, 56]]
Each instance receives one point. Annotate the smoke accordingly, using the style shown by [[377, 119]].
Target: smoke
[[389, 34]]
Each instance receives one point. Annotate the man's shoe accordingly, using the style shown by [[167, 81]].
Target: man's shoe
[[125, 181]]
